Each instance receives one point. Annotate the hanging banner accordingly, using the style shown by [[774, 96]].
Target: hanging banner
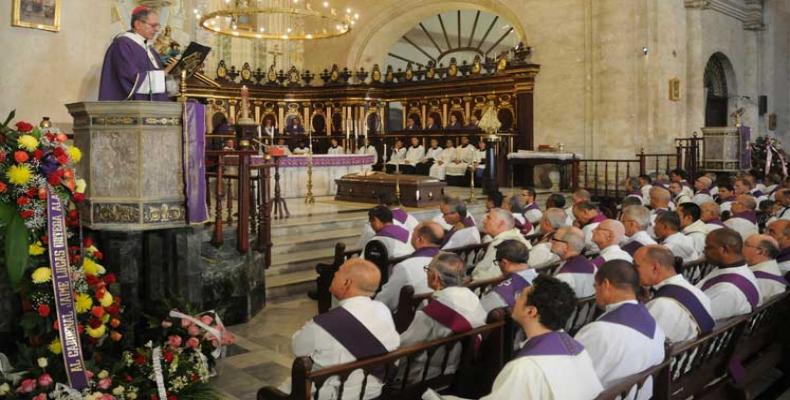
[[64, 292]]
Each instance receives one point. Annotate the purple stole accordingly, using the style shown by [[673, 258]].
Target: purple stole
[[598, 261], [770, 276], [467, 224], [507, 290], [424, 252], [524, 228], [757, 193], [634, 316], [577, 265], [400, 215], [716, 222], [784, 255], [744, 285], [704, 191], [632, 246], [349, 331], [532, 206], [395, 232], [598, 218], [450, 319], [556, 343], [118, 78], [691, 303], [750, 216]]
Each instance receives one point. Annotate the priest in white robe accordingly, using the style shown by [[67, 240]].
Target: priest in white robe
[[607, 236], [726, 197], [512, 258], [335, 148], [365, 148], [431, 154], [442, 160], [500, 225], [703, 195], [732, 286], [414, 155], [660, 200], [396, 158], [588, 216], [464, 157], [394, 238], [531, 208], [667, 228], [693, 227], [400, 217], [681, 309], [760, 252], [541, 254], [744, 217], [576, 270], [636, 220], [711, 216], [679, 196], [463, 230], [780, 230]]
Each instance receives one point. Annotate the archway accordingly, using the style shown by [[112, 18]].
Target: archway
[[719, 83]]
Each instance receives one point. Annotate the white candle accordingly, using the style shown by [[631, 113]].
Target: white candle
[[385, 153]]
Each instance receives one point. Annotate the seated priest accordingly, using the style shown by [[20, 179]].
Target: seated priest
[[394, 237], [667, 227], [335, 147], [301, 149], [679, 176], [511, 257], [494, 199], [500, 225], [441, 161], [457, 168], [710, 214], [782, 197], [431, 124], [576, 270], [703, 195], [541, 254], [399, 217], [636, 220], [632, 189], [780, 230], [414, 155], [679, 196], [412, 125], [358, 328], [579, 196], [515, 205], [693, 227], [744, 217], [454, 124], [365, 148], [453, 309], [551, 365], [726, 197], [531, 208], [681, 309], [426, 239], [480, 160], [660, 200], [463, 231], [626, 339], [397, 157], [587, 218], [294, 127], [645, 184], [760, 252], [132, 69], [473, 124], [607, 236], [732, 286], [433, 152]]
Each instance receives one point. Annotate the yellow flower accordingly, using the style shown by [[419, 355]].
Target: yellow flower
[[84, 303], [41, 275], [80, 185], [55, 346], [75, 154], [90, 267], [36, 249], [106, 300], [96, 333], [19, 174], [27, 142]]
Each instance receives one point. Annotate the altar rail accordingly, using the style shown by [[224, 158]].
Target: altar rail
[[250, 210]]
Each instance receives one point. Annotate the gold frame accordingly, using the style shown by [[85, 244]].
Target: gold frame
[[674, 89], [16, 18]]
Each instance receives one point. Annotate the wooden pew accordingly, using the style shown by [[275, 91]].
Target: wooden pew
[[696, 270], [482, 365], [631, 387], [585, 312], [327, 271]]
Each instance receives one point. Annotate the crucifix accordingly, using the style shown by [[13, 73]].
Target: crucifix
[[275, 52]]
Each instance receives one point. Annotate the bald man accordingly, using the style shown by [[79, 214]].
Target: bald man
[[711, 216], [357, 328], [681, 309], [426, 240], [760, 252], [744, 217], [607, 236], [780, 230], [578, 197], [500, 225], [576, 270], [732, 286], [702, 195]]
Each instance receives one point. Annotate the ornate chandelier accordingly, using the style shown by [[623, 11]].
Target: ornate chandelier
[[278, 19]]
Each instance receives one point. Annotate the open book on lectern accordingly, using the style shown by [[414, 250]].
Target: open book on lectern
[[190, 60]]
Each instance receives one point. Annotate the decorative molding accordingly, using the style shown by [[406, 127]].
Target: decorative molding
[[163, 213], [749, 12], [114, 120], [116, 213]]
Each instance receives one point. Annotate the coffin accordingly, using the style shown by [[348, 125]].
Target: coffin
[[415, 190]]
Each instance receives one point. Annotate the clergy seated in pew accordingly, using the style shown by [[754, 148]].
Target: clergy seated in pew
[[414, 154], [426, 239], [457, 170], [760, 252], [682, 310], [692, 226], [695, 270], [576, 270], [702, 195], [541, 254], [780, 230], [732, 286], [452, 309], [432, 153], [625, 339], [462, 230], [531, 208], [550, 357], [441, 160], [394, 237], [636, 220], [607, 236], [512, 257], [394, 160], [744, 217], [500, 225], [515, 205], [667, 230], [335, 147], [399, 217], [587, 217], [711, 216]]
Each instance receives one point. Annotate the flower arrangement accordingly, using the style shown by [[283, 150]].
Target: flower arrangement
[[768, 150]]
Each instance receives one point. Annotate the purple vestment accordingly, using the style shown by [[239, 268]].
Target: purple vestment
[[126, 64], [634, 316], [551, 344], [508, 289], [691, 303]]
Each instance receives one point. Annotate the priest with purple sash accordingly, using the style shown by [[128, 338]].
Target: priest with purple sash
[[132, 69], [744, 217], [703, 195], [780, 230], [358, 328], [393, 237], [607, 236], [711, 216], [587, 218], [399, 217], [541, 255], [453, 309], [512, 257], [681, 309], [426, 240], [636, 220], [626, 339], [576, 270], [531, 209], [732, 287], [660, 199], [551, 364], [500, 225], [760, 252]]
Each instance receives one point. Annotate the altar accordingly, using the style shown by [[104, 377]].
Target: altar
[[530, 158], [326, 169]]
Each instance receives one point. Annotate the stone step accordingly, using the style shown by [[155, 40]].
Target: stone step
[[297, 262], [308, 226], [288, 286], [319, 240]]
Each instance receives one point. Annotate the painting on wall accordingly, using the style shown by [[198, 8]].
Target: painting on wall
[[37, 14]]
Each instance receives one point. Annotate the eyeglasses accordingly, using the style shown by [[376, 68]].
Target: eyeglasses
[[155, 26], [553, 239]]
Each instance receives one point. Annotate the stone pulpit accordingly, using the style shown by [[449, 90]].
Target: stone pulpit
[[726, 149]]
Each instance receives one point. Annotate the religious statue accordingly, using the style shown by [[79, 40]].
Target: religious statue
[[376, 74], [452, 70], [246, 72], [293, 76], [222, 70], [476, 65], [501, 62], [389, 76], [162, 42], [409, 72]]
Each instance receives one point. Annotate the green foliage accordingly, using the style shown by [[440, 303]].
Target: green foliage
[[16, 242]]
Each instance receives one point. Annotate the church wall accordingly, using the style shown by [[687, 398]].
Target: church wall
[[775, 82]]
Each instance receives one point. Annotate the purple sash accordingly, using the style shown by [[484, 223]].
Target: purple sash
[[784, 255], [632, 246], [598, 218], [525, 227], [634, 316], [750, 216], [446, 316], [577, 265], [424, 252], [352, 334], [716, 222], [744, 285], [770, 276], [691, 303], [64, 292], [551, 344], [635, 193], [757, 193], [508, 289], [395, 232], [399, 215], [468, 222], [598, 261], [532, 206]]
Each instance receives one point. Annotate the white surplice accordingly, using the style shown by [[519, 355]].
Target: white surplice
[[541, 255], [697, 231], [440, 163], [768, 287], [725, 298], [485, 269], [414, 155], [464, 156], [493, 300], [681, 246], [407, 272], [673, 318], [336, 150], [463, 237]]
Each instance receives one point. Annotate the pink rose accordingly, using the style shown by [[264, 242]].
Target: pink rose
[[193, 342], [88, 374], [107, 396], [174, 340], [105, 383], [193, 330], [40, 396], [45, 380], [228, 338], [27, 386], [206, 319], [185, 323]]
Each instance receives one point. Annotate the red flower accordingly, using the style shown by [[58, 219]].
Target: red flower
[[3, 187], [32, 192], [172, 397], [55, 325], [94, 323], [22, 200], [100, 293], [79, 197], [80, 328], [43, 310], [97, 311], [115, 322], [2, 156], [87, 241], [23, 127], [44, 239], [50, 137], [25, 214], [38, 154], [139, 359], [53, 179], [74, 214], [92, 280], [127, 378], [109, 278], [21, 156], [63, 159], [168, 356]]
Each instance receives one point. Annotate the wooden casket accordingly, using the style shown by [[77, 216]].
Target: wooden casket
[[415, 190]]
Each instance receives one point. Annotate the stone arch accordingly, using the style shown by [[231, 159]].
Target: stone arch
[[720, 87], [378, 34]]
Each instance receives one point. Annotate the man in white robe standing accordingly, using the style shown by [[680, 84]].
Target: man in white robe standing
[[463, 231], [780, 230], [693, 227], [541, 254], [607, 236], [667, 227], [500, 225], [681, 309], [626, 339], [760, 252], [636, 220], [512, 257], [576, 270], [394, 238], [358, 328], [732, 286]]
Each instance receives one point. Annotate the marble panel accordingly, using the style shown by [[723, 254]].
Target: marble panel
[[109, 149]]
